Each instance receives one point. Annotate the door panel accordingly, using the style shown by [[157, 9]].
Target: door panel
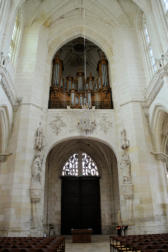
[[70, 205], [80, 205]]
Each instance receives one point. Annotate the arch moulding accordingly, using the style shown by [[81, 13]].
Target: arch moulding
[[75, 32], [94, 139], [156, 123]]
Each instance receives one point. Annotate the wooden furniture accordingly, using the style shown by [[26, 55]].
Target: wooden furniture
[[81, 235], [33, 244], [139, 243]]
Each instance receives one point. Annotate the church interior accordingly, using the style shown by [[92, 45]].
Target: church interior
[[84, 122]]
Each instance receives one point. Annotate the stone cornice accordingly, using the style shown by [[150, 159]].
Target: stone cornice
[[7, 85], [156, 84]]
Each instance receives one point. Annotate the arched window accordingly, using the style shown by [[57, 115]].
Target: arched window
[[15, 38], [165, 6], [80, 164], [148, 49]]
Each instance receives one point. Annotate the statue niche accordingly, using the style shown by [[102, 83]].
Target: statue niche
[[77, 90]]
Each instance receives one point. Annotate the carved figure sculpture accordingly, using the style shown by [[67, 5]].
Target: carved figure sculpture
[[124, 140], [39, 138], [36, 169], [125, 165]]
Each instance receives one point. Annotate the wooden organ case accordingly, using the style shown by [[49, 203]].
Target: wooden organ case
[[80, 91]]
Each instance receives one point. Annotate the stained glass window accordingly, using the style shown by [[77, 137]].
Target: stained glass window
[[80, 164]]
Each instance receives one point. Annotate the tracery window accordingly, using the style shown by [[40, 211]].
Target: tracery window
[[149, 51], [80, 164]]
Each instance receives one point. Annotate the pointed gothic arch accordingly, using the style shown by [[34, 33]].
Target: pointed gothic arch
[[4, 128], [106, 162], [80, 77]]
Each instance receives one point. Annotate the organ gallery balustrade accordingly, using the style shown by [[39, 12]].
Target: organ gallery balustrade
[[80, 91]]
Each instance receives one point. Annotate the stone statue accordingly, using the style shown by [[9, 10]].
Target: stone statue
[[124, 140], [39, 139], [125, 165], [36, 169]]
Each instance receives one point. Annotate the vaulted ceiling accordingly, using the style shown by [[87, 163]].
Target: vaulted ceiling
[[52, 12]]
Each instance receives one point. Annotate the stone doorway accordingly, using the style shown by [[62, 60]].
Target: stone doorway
[[105, 160]]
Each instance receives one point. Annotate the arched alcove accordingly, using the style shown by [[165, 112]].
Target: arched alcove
[[157, 123], [4, 128], [106, 163], [80, 77]]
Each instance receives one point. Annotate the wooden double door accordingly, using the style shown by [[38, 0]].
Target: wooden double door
[[80, 204]]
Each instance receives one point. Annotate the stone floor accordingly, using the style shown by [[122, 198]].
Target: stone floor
[[100, 243]]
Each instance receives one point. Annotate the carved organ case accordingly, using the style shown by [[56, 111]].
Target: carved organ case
[[79, 90]]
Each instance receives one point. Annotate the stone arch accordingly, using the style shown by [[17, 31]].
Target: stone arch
[[99, 140], [4, 128], [106, 161], [75, 32], [159, 117]]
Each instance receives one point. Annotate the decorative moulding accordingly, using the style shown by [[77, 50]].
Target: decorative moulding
[[160, 156], [86, 125], [105, 124], [156, 84], [57, 124], [4, 156]]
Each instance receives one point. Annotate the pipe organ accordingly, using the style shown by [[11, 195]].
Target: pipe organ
[[80, 91]]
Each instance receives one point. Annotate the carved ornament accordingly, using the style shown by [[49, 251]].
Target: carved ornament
[[36, 169], [105, 124], [86, 125], [124, 141], [57, 124], [125, 166]]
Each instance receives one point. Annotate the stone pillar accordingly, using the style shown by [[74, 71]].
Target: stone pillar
[[25, 193]]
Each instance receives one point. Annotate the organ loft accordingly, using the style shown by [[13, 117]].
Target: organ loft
[[81, 78]]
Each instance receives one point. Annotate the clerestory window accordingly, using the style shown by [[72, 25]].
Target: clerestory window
[[80, 164], [148, 50]]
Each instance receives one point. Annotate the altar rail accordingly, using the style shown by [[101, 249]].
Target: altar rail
[[139, 243], [32, 244]]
